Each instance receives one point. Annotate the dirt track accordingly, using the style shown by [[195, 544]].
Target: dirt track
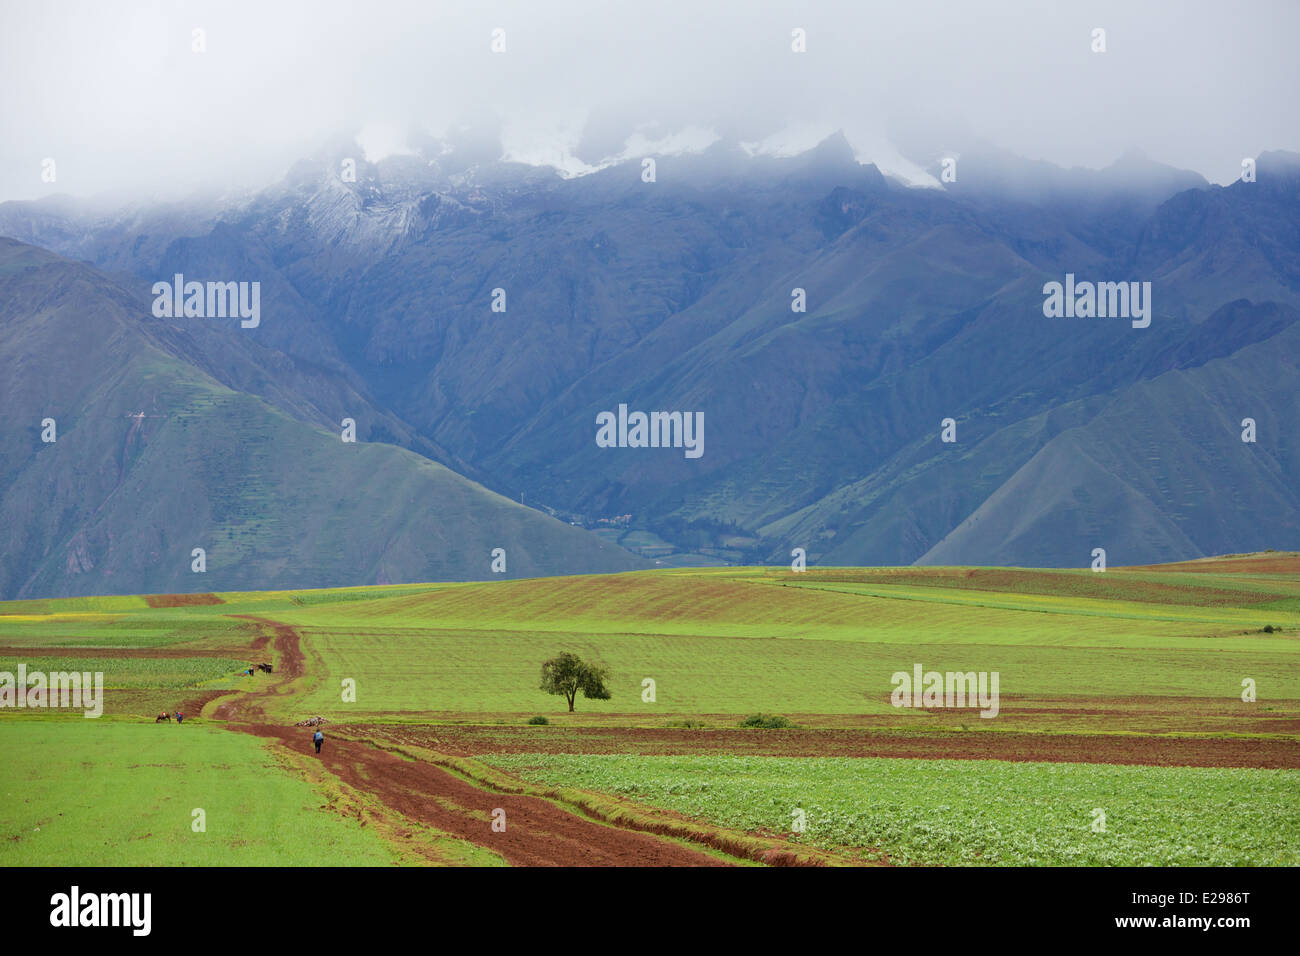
[[538, 833]]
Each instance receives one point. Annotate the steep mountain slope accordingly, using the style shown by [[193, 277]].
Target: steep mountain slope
[[1162, 469], [821, 427], [154, 458]]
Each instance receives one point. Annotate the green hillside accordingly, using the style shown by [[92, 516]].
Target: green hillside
[[1154, 468], [154, 458]]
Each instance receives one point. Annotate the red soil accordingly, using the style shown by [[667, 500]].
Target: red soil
[[181, 600], [538, 832], [1277, 562], [1155, 751]]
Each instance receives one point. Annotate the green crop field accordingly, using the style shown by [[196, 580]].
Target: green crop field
[[951, 812], [738, 640], [133, 672], [107, 793], [1105, 673], [495, 670]]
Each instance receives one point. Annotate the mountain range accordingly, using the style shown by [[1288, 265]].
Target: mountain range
[[923, 314]]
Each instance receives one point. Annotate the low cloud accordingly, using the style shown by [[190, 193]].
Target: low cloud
[[119, 97]]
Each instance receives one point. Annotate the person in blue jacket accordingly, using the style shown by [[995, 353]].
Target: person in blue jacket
[[318, 738]]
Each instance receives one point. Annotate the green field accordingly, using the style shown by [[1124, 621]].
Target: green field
[[136, 672], [107, 793], [950, 812], [739, 640], [1150, 659]]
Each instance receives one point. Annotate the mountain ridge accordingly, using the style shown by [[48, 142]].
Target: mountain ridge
[[923, 305]]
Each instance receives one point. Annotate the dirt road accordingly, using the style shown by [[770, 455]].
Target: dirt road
[[537, 832]]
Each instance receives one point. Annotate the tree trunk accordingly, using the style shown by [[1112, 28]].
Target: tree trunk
[[571, 703]]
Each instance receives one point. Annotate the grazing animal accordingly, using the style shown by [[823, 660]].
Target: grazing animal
[[264, 668], [163, 716]]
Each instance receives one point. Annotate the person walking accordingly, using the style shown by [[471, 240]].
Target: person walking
[[318, 738], [180, 718]]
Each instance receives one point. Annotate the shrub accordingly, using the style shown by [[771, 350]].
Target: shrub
[[766, 721], [538, 720]]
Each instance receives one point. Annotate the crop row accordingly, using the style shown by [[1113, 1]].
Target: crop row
[[964, 811]]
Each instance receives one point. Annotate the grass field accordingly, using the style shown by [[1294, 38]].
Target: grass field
[[107, 793], [739, 640], [1099, 674]]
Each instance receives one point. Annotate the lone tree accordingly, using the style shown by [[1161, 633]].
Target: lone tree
[[568, 673]]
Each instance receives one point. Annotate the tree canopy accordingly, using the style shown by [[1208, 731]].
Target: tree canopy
[[566, 674]]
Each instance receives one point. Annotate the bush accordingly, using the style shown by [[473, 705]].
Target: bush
[[538, 720], [766, 721]]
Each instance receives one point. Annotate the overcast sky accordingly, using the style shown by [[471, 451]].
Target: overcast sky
[[114, 93]]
